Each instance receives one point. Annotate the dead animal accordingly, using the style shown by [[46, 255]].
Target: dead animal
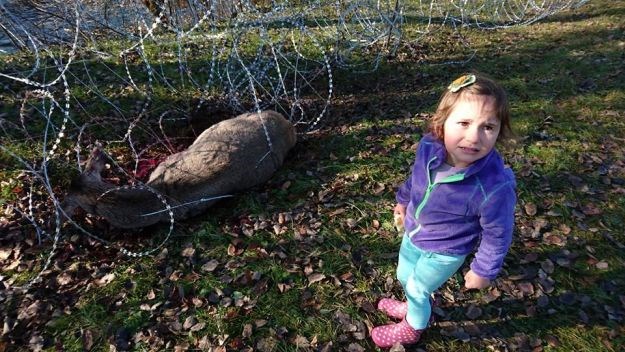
[[229, 157]]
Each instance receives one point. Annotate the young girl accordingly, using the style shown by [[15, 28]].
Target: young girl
[[458, 197]]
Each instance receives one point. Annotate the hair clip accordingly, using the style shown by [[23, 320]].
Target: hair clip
[[461, 82]]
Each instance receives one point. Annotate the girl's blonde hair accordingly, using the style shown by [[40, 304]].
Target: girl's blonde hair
[[482, 86]]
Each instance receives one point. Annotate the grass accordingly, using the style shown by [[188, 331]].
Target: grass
[[301, 261]]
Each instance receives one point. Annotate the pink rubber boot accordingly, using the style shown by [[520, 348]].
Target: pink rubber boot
[[398, 309], [388, 335], [393, 308]]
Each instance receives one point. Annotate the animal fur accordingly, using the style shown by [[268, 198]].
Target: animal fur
[[228, 157]]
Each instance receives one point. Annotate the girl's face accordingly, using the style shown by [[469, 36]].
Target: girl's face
[[470, 130]]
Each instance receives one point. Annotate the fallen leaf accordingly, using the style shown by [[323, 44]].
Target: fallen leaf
[[5, 253], [225, 302], [210, 265], [31, 311], [460, 334], [473, 312], [247, 331], [64, 279], [492, 295], [397, 348], [106, 279], [547, 266], [354, 347], [204, 344], [14, 264], [351, 222], [282, 287], [235, 344], [87, 340], [379, 189], [554, 213], [197, 302], [552, 341], [151, 295], [277, 229], [36, 343], [267, 344], [546, 284], [554, 239], [564, 262], [188, 252], [301, 342], [181, 347], [176, 275], [526, 287], [530, 257], [338, 211], [316, 277], [348, 276], [591, 209], [472, 329], [542, 301], [602, 265], [530, 209], [189, 322], [197, 327], [565, 229]]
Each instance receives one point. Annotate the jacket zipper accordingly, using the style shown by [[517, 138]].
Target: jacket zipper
[[431, 186]]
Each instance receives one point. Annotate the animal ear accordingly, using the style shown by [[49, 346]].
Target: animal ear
[[96, 160]]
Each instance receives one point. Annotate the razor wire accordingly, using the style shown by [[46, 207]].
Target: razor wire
[[491, 14], [132, 74], [92, 67]]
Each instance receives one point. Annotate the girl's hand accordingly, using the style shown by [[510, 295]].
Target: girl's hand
[[473, 280], [399, 212]]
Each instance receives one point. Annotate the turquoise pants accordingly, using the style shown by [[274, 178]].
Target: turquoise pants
[[421, 273]]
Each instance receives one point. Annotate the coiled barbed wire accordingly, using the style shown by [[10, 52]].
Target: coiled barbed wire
[[128, 72], [493, 14]]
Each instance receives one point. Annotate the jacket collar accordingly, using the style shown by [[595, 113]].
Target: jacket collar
[[440, 153]]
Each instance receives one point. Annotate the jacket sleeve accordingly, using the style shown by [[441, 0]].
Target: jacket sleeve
[[497, 222], [403, 193]]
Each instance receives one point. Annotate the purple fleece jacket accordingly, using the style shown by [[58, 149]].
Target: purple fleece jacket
[[463, 211]]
